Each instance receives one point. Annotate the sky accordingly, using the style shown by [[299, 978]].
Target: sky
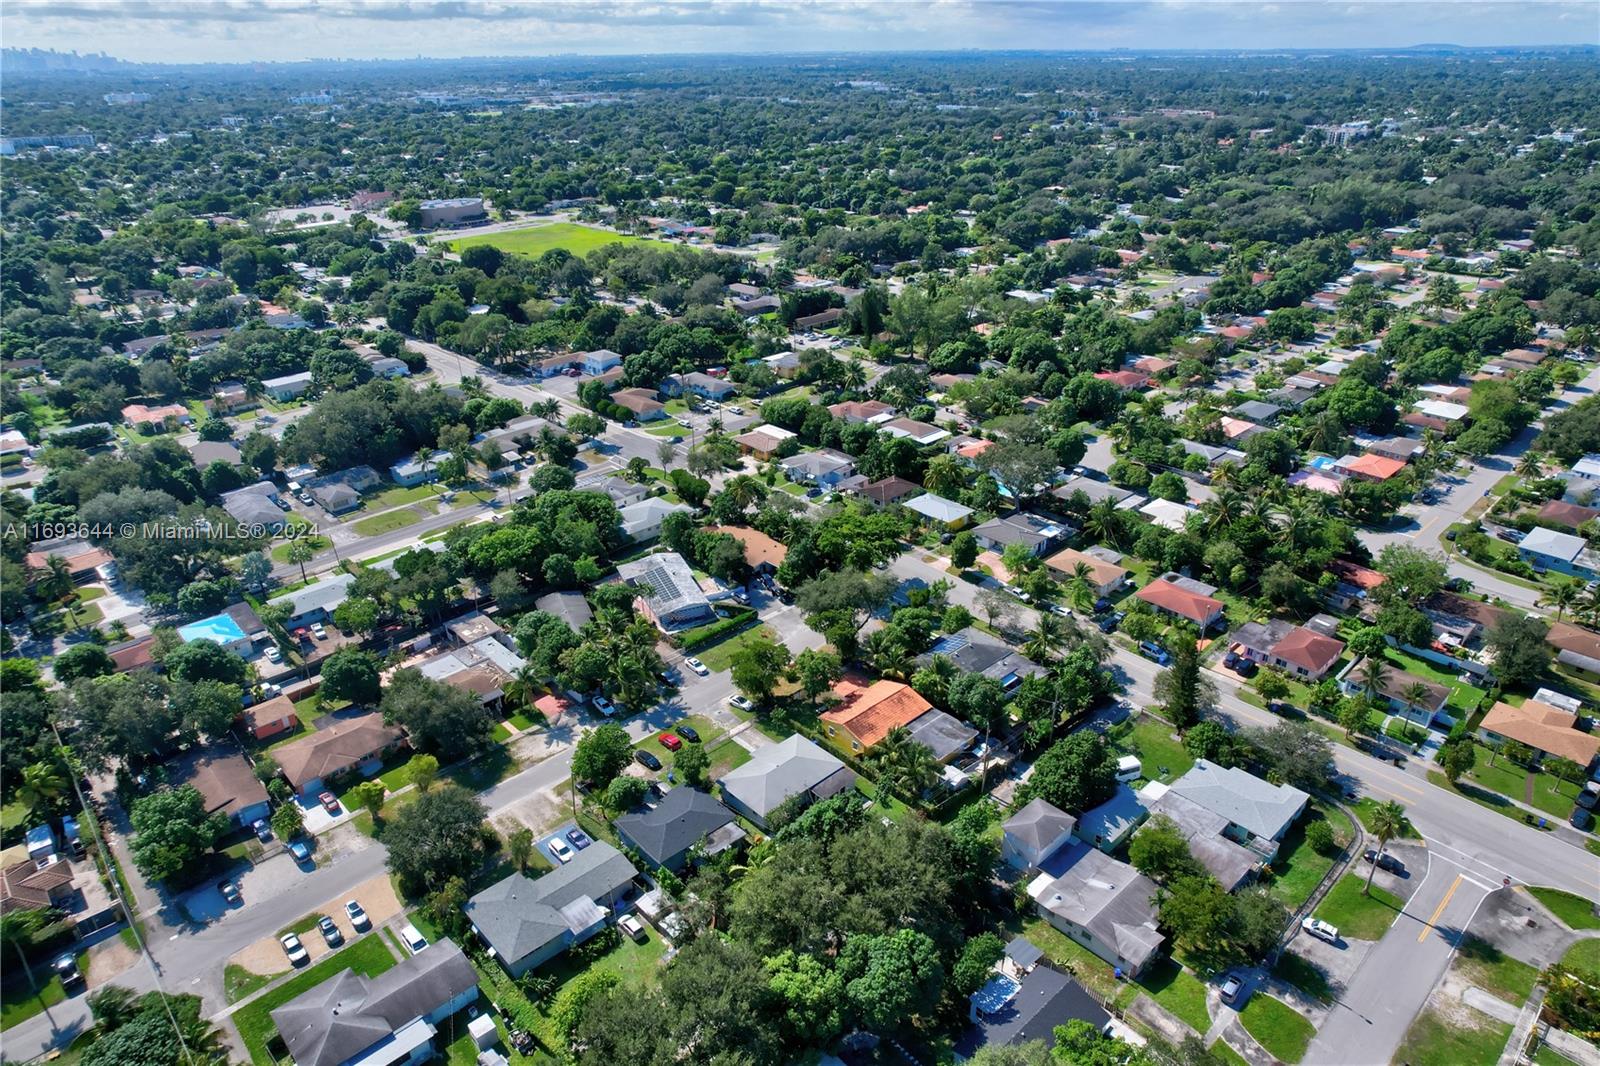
[[290, 30]]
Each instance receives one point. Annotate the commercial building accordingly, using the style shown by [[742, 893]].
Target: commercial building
[[435, 213]]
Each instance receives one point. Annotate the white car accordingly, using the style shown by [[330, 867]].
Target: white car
[[740, 702], [696, 665], [560, 850], [413, 940], [358, 917], [1320, 929], [604, 706], [294, 949], [273, 654], [632, 926], [685, 423], [319, 631]]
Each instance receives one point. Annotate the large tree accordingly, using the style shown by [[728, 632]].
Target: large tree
[[1076, 773], [172, 831], [601, 754], [440, 718], [435, 838]]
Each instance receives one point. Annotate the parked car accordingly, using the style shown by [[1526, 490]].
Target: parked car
[[66, 968], [740, 702], [604, 706], [559, 849], [330, 932], [696, 665], [1590, 795], [273, 654], [579, 838], [687, 732], [1385, 861], [330, 802], [1064, 612], [1233, 990], [358, 917], [319, 631], [1581, 818], [1320, 929], [742, 597], [1013, 590], [413, 940], [1154, 652], [262, 829], [632, 926], [294, 949], [230, 893], [685, 423], [670, 741], [1247, 668], [647, 760], [1111, 621], [300, 850]]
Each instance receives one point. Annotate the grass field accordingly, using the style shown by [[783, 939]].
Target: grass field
[[1549, 1056], [1492, 970], [1153, 742], [387, 522], [238, 982], [1278, 1027], [1432, 1041], [1585, 954], [1357, 916], [1298, 869], [368, 956], [537, 240], [1576, 911], [719, 656], [1180, 991]]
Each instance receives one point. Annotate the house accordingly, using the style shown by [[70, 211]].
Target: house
[[914, 431], [570, 607], [1127, 380], [1032, 531], [1092, 492], [1399, 689], [1169, 514], [1563, 552], [418, 469], [552, 365], [1106, 577], [641, 402], [1025, 1002], [761, 553], [1294, 649], [866, 713], [778, 772], [137, 654], [621, 490], [940, 512], [269, 718], [204, 453], [1570, 515], [341, 491], [1214, 454], [687, 818], [1443, 410], [642, 521], [228, 784], [527, 922], [755, 305], [869, 411], [47, 880], [944, 735], [888, 490], [1238, 430], [348, 746], [1258, 411], [315, 602], [237, 628], [1183, 598], [975, 652], [1550, 731], [599, 361], [231, 397], [1353, 584], [255, 505], [785, 365], [1038, 830], [1226, 859], [1402, 448], [12, 442], [138, 416], [668, 593], [699, 384], [821, 467], [762, 442], [820, 320], [1101, 903], [392, 1018], [82, 560], [1371, 466], [1109, 825], [288, 387], [1258, 812]]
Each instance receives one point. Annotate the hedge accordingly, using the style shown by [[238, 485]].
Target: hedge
[[700, 636]]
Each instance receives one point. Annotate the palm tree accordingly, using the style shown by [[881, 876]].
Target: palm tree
[[1562, 596], [1224, 509], [523, 685], [300, 551], [55, 580], [1374, 675], [1388, 822], [1046, 638], [1413, 696], [904, 763], [1104, 523], [1589, 606], [1531, 465], [519, 848], [855, 375], [42, 784], [932, 682], [1080, 587]]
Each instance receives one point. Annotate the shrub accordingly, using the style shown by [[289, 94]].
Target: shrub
[[1320, 836]]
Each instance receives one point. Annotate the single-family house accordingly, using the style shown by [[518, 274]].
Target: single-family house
[[668, 593], [870, 411], [341, 491], [255, 505], [885, 491], [1100, 903], [163, 416], [1258, 411], [1353, 584], [1169, 514], [940, 512], [348, 746], [785, 365], [417, 469], [1034, 532], [821, 320], [82, 559], [1259, 813], [1565, 553], [975, 652], [1239, 430], [1371, 466], [1404, 449], [621, 490], [599, 361], [821, 467], [1214, 454], [756, 305], [391, 1019], [685, 819], [778, 772], [1550, 731], [205, 452], [287, 387], [236, 628], [641, 521], [700, 384], [1569, 515], [47, 880], [1415, 699], [1110, 824], [641, 402], [1443, 410], [231, 397], [269, 718], [761, 553], [1025, 1002], [569, 606], [1127, 380], [1038, 830], [528, 921], [1296, 650], [1185, 599], [1223, 856], [1106, 576], [866, 713], [228, 784], [763, 441], [1088, 492], [315, 602], [914, 431]]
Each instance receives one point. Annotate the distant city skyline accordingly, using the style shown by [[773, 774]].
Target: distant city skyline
[[209, 31]]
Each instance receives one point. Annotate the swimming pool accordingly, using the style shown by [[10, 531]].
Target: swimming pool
[[219, 627]]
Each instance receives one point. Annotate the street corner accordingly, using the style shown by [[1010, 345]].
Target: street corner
[[1514, 922], [1406, 868], [1308, 962]]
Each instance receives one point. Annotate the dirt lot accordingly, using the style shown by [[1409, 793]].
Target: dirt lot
[[376, 897]]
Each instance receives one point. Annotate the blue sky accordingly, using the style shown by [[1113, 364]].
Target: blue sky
[[288, 30]]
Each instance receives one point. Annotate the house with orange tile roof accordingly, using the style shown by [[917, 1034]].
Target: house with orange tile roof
[[1296, 650], [1184, 599], [866, 712], [1374, 467], [761, 553], [1546, 729], [1130, 380], [137, 415]]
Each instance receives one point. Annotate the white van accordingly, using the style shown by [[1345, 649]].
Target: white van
[[413, 940], [1129, 768]]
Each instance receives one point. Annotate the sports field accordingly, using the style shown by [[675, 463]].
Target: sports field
[[537, 240]]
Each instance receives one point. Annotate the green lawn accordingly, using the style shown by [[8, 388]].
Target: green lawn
[[1278, 1027], [1223, 1051], [1304, 975], [1432, 1041], [1359, 917], [1492, 970], [726, 756], [303, 924], [719, 656], [368, 956], [238, 982], [537, 240], [700, 724], [18, 1002], [1585, 955], [280, 553], [387, 522], [1364, 808], [1575, 911], [1152, 740], [1546, 1056], [1178, 990], [636, 964], [1067, 954], [1463, 697], [1298, 869], [398, 495]]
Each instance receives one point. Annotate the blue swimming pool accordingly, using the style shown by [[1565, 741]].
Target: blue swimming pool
[[219, 627]]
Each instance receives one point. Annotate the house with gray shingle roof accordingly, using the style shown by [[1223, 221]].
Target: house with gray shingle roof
[[682, 820], [1257, 807], [528, 921], [792, 767]]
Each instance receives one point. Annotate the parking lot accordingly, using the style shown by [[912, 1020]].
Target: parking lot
[[559, 834]]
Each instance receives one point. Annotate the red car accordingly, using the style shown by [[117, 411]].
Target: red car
[[330, 802], [670, 742]]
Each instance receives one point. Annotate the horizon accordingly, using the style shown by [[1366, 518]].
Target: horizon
[[240, 33]]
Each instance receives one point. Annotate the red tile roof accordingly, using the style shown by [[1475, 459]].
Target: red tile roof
[[758, 547], [869, 712], [1362, 577], [1308, 649], [1378, 467], [1180, 601]]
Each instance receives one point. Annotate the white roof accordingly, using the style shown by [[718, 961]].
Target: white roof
[[938, 508], [1168, 514], [1450, 412], [1548, 542]]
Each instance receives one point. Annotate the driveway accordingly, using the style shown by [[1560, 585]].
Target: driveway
[[376, 896]]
